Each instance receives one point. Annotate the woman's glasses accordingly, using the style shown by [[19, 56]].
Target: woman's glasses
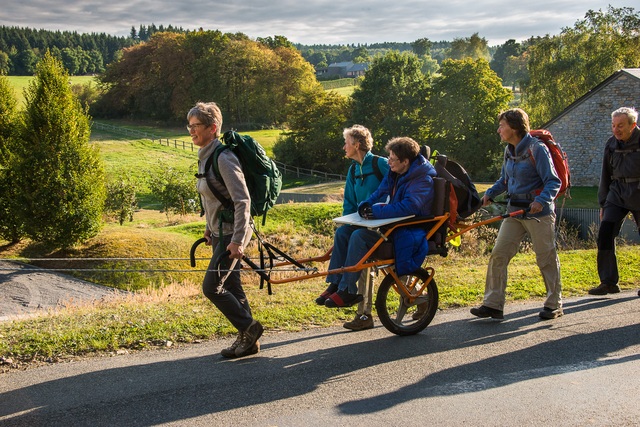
[[194, 126]]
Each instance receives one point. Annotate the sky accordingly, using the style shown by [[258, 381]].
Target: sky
[[313, 21]]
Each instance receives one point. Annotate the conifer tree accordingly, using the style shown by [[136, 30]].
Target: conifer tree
[[10, 223], [61, 181]]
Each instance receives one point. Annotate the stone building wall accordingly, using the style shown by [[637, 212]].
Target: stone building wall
[[583, 128]]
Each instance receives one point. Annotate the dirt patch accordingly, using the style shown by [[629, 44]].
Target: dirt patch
[[24, 290]]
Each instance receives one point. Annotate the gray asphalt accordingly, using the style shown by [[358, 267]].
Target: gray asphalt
[[26, 290], [580, 370]]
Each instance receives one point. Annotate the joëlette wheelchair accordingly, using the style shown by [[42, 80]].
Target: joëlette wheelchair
[[405, 304]]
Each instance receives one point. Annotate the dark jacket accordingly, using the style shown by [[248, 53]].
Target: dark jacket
[[620, 176], [401, 195]]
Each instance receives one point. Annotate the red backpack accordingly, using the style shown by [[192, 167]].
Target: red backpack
[[558, 156]]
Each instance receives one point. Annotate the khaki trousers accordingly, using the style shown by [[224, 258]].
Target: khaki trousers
[[365, 288], [507, 243]]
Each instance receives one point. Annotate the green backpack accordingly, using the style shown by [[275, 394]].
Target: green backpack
[[261, 174]]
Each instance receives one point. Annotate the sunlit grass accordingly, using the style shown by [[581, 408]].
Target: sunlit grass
[[20, 83]]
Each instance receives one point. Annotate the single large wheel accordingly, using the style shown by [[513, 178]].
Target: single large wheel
[[398, 313]]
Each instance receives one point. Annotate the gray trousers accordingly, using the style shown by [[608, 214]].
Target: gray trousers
[[229, 298]]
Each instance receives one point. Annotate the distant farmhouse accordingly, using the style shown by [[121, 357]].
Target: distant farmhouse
[[344, 69], [585, 125]]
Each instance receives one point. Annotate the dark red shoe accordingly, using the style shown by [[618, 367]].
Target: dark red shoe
[[342, 299], [333, 287]]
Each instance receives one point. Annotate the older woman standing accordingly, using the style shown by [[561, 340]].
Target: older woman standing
[[363, 178], [205, 122]]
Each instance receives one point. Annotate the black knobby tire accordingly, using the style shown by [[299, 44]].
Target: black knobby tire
[[400, 317]]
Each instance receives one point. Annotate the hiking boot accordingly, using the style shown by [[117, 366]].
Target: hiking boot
[[333, 287], [360, 323], [342, 299], [230, 352], [249, 339], [484, 311], [603, 289], [549, 313], [422, 308]]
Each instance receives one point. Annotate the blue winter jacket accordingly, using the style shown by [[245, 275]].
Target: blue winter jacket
[[413, 195], [525, 179], [362, 183]]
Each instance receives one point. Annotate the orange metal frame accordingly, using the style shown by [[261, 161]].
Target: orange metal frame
[[385, 264], [365, 262]]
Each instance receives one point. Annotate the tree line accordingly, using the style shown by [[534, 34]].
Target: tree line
[[22, 48]]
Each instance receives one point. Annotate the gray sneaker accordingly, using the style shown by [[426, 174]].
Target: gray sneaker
[[249, 339], [360, 323], [550, 314]]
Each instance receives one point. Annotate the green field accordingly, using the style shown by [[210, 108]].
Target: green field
[[20, 83]]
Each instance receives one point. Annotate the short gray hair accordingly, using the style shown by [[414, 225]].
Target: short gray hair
[[208, 113], [361, 135], [630, 112]]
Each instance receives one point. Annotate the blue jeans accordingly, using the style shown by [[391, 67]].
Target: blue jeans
[[350, 244]]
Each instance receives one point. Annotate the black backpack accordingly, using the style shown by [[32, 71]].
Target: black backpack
[[464, 199]]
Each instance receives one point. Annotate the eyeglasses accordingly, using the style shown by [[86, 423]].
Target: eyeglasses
[[393, 159], [194, 126]]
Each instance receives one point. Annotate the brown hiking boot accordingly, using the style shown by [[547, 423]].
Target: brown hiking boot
[[484, 311], [230, 352], [249, 339], [422, 308], [550, 314], [360, 323]]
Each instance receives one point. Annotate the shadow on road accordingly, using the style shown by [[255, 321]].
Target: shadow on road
[[177, 390]]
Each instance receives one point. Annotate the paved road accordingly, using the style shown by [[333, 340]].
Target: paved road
[[580, 370]]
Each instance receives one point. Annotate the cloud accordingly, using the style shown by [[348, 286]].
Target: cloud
[[311, 21]]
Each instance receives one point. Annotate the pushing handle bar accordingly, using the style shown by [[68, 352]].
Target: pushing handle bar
[[192, 253]]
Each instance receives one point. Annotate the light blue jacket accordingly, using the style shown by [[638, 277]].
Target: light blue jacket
[[362, 183], [525, 179]]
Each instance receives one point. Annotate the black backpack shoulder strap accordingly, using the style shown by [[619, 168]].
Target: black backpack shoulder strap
[[376, 167], [226, 202], [352, 171]]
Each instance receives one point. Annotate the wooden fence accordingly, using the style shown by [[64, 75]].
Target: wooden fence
[[188, 145]]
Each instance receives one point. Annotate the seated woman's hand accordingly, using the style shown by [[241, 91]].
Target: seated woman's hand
[[365, 210]]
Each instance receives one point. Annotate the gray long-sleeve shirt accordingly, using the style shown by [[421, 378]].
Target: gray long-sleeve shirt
[[234, 187]]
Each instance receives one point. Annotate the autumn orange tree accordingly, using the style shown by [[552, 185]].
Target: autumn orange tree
[[161, 79]]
